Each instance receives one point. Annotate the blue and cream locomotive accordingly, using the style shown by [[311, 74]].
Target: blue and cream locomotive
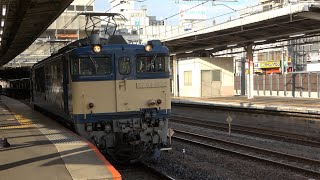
[[115, 94]]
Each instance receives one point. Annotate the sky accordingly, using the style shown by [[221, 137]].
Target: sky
[[165, 8]]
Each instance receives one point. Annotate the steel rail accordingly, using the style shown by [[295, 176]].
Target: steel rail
[[281, 159], [276, 135], [141, 168], [162, 176], [304, 115]]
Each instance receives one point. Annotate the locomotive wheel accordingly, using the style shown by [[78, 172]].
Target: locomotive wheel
[[127, 154]]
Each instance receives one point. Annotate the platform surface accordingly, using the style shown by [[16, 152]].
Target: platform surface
[[287, 104], [41, 148]]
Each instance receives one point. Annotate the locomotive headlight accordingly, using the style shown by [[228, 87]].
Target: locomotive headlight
[[96, 48], [152, 103], [148, 47], [90, 105]]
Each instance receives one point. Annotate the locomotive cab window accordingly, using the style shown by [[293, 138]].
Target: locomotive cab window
[[87, 66], [40, 82], [149, 64], [124, 65]]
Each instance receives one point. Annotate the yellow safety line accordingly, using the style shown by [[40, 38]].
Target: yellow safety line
[[24, 123]]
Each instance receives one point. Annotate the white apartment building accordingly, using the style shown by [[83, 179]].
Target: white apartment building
[[66, 28]]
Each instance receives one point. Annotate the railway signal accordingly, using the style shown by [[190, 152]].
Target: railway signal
[[229, 120], [170, 134]]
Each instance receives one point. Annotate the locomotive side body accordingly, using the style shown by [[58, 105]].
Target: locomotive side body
[[118, 98], [47, 81]]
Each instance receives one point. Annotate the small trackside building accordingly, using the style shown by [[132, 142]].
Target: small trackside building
[[203, 77]]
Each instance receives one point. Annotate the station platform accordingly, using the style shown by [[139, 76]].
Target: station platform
[[41, 148], [272, 103]]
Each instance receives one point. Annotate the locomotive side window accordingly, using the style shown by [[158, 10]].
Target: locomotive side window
[[86, 66], [124, 65], [152, 64], [39, 80]]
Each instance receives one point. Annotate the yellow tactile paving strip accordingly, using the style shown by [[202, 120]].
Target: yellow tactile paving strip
[[81, 159], [24, 123]]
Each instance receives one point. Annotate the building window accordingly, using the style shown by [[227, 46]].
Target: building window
[[40, 82], [216, 75], [153, 64], [90, 8], [208, 76], [71, 8], [80, 8], [85, 66], [134, 32], [188, 78]]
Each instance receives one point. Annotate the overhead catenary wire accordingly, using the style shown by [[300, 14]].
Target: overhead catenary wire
[[44, 43], [77, 15], [231, 33], [198, 22], [92, 1], [212, 18], [121, 2], [67, 24], [171, 16], [234, 10], [70, 22]]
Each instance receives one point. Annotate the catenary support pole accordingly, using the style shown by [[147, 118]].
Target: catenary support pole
[[250, 88], [243, 76]]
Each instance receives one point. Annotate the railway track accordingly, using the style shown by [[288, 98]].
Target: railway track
[[305, 166], [276, 135], [307, 116], [140, 171]]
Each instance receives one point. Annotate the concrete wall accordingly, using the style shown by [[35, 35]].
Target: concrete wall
[[223, 88], [190, 65]]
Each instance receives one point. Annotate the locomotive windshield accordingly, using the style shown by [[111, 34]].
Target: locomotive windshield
[[156, 63], [86, 66]]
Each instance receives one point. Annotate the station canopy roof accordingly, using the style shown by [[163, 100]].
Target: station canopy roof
[[23, 21], [286, 23]]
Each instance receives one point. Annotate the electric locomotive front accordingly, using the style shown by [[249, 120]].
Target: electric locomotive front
[[115, 94], [121, 97]]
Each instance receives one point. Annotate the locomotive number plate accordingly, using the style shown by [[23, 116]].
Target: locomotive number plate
[[141, 85]]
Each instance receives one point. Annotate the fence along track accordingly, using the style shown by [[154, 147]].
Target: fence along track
[[294, 84]]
